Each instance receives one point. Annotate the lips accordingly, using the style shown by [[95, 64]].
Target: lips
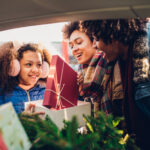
[[78, 56], [33, 76]]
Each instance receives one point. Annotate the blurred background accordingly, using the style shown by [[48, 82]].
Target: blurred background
[[49, 36]]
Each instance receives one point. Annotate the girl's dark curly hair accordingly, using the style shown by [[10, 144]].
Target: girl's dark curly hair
[[125, 31], [69, 28], [28, 47], [7, 54]]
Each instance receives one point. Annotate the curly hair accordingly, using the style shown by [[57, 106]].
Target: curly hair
[[29, 47], [7, 54], [125, 31], [69, 28]]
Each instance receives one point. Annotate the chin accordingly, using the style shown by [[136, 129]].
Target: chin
[[79, 62], [33, 82]]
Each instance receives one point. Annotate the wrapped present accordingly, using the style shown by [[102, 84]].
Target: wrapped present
[[58, 116], [12, 133], [61, 87]]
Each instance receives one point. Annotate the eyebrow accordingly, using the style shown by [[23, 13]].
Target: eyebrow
[[32, 61]]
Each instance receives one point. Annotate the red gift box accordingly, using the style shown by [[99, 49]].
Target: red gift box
[[61, 87]]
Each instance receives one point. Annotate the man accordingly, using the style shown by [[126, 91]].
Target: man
[[125, 42]]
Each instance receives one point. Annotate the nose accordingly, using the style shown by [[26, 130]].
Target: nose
[[35, 69], [75, 48], [94, 44]]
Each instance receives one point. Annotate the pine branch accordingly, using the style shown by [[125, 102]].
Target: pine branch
[[102, 134]]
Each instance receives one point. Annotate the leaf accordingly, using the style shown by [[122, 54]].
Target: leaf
[[88, 124]]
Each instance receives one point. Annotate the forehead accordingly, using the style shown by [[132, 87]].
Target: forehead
[[77, 35], [31, 55]]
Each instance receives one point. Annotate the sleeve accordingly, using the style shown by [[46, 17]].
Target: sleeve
[[142, 97], [2, 101]]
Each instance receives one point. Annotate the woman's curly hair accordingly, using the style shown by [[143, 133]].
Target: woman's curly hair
[[125, 31], [8, 52], [69, 28]]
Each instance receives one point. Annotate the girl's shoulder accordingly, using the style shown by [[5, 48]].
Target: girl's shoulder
[[38, 87]]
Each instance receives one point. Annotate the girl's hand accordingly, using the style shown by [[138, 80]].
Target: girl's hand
[[31, 110]]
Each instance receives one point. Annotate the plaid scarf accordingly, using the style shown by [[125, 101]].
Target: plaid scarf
[[98, 84], [106, 103], [93, 76], [112, 87]]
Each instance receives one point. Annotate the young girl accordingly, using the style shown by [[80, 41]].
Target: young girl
[[20, 74]]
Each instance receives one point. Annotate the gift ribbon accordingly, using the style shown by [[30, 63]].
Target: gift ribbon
[[60, 90], [59, 96]]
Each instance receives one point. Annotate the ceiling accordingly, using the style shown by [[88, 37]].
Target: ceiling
[[21, 13]]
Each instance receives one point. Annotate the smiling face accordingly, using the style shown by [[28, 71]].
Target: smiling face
[[82, 47], [30, 69], [111, 50]]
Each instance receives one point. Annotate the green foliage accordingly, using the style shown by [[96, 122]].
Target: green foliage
[[101, 134], [109, 136], [44, 134]]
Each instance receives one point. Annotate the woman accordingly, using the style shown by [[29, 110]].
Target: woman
[[21, 85], [92, 62]]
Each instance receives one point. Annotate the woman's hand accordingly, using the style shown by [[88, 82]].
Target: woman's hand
[[31, 110], [80, 80]]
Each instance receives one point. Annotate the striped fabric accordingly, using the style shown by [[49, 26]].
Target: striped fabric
[[97, 85], [106, 100], [93, 76]]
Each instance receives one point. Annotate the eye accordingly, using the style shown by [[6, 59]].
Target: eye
[[28, 64], [39, 65], [71, 46], [79, 41]]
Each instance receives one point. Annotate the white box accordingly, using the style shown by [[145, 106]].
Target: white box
[[12, 131], [58, 116]]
